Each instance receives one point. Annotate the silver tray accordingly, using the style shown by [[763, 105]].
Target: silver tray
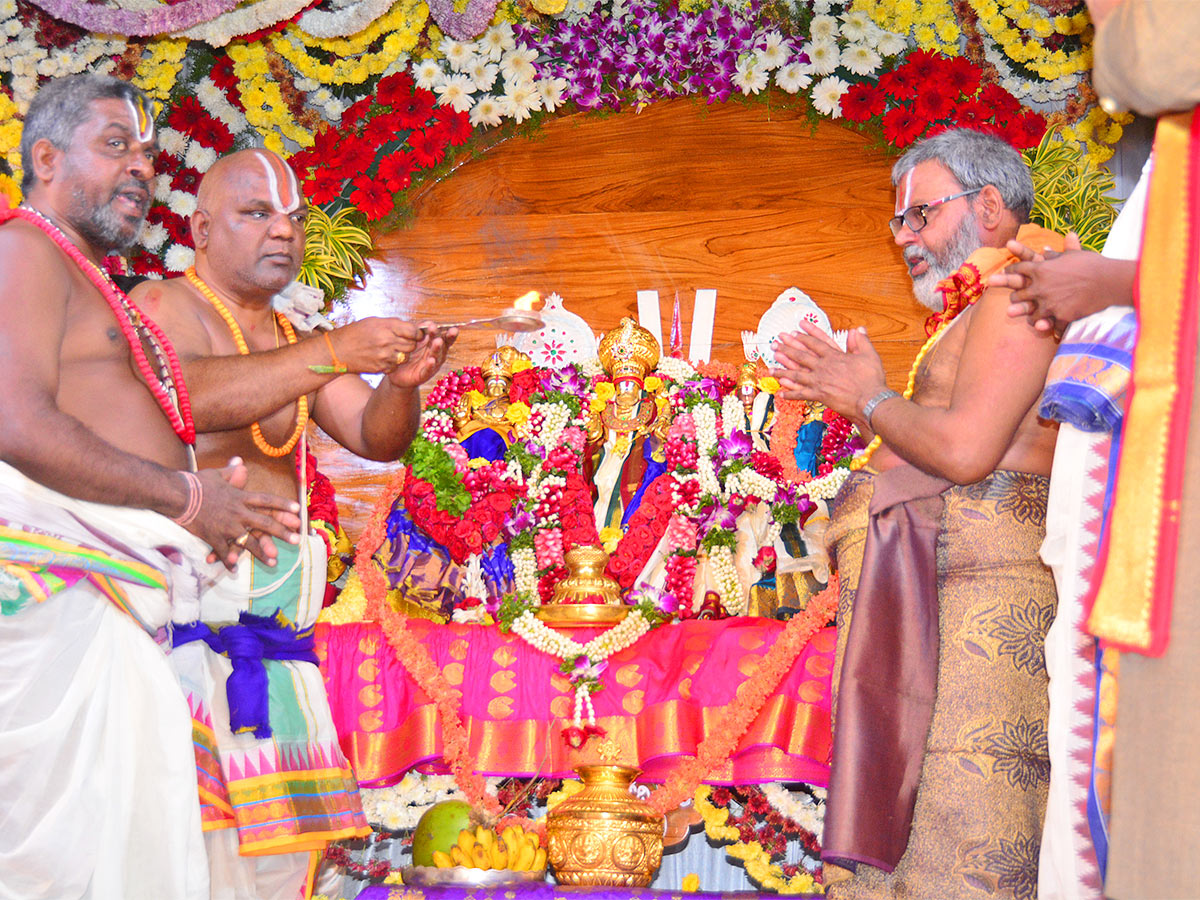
[[461, 876]]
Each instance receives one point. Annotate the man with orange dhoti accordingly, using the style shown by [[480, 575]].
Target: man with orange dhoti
[[940, 768]]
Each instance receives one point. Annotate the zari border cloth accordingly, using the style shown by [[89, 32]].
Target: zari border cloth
[[1139, 550], [267, 757], [662, 697]]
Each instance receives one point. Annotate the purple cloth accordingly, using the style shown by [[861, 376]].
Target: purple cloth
[[542, 891], [884, 700], [247, 644]]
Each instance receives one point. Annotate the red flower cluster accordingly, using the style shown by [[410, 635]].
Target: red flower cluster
[[469, 533], [929, 93], [383, 140], [645, 529], [576, 515]]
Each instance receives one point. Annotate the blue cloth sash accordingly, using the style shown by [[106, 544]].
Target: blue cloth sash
[[1085, 386], [246, 644]]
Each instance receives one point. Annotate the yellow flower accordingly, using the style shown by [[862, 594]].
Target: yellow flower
[[10, 189], [610, 537], [517, 413], [569, 787], [653, 383], [605, 391], [768, 383], [521, 365], [691, 882]]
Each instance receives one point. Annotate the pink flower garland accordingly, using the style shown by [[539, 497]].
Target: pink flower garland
[[106, 20]]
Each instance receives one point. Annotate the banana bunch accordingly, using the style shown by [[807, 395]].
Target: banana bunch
[[482, 848]]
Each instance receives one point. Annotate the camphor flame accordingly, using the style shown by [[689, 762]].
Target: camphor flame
[[527, 302]]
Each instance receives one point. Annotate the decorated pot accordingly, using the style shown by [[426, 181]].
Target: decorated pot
[[603, 835]]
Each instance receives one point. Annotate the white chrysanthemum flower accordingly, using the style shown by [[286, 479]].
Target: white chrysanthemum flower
[[890, 44], [322, 96], [776, 51], [153, 235], [307, 84], [162, 189], [199, 157], [426, 72], [821, 7], [827, 96], [860, 59], [487, 111], [520, 101], [482, 72], [12, 27], [750, 77], [552, 90], [497, 41], [172, 141], [179, 258], [872, 34], [334, 108], [823, 56], [458, 54], [8, 8], [181, 203], [855, 24], [517, 65], [455, 91], [793, 77], [823, 28]]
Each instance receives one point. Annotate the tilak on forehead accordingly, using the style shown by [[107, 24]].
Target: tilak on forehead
[[281, 182], [141, 118]]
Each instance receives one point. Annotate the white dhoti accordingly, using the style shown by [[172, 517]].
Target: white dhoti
[[96, 762]]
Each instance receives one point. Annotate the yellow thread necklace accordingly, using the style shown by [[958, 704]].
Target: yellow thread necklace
[[909, 389], [301, 404]]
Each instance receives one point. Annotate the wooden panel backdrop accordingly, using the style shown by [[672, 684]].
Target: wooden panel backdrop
[[737, 197]]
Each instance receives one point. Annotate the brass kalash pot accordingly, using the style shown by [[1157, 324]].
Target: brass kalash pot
[[586, 596], [603, 835]]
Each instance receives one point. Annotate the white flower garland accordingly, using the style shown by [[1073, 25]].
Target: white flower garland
[[343, 22], [541, 637], [246, 18], [729, 583], [674, 369], [808, 811], [827, 486]]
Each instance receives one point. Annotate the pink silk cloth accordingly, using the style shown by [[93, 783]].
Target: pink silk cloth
[[662, 697]]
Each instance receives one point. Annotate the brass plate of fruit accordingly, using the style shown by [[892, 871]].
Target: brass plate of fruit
[[581, 615], [461, 876]]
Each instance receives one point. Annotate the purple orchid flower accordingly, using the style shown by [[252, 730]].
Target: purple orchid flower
[[737, 446]]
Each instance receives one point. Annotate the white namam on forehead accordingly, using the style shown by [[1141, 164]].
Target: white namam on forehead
[[142, 121], [904, 193], [286, 200]]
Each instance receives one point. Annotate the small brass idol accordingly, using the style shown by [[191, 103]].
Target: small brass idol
[[587, 596], [603, 835]]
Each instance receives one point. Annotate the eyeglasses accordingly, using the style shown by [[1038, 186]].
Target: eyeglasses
[[914, 216]]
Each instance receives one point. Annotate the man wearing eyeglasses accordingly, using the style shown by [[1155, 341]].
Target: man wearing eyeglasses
[[940, 769]]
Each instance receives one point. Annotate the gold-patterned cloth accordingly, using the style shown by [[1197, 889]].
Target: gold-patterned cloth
[[982, 791]]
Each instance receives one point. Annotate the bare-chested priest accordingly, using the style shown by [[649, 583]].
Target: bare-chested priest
[[940, 763], [95, 735], [278, 788]]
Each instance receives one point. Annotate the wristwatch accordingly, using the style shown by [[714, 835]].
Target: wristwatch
[[869, 406]]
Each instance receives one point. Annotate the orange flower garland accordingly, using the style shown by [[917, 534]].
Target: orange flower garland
[[789, 416]]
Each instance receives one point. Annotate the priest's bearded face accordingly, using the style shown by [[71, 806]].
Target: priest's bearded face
[[950, 233]]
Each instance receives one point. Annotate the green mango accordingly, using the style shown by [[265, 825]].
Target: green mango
[[438, 829]]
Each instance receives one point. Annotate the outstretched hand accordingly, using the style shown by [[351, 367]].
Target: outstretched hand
[[813, 367], [375, 345], [232, 519], [1053, 289], [426, 358]]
